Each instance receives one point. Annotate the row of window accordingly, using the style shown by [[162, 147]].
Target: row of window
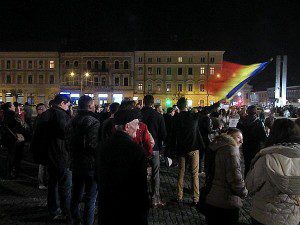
[[102, 82], [190, 87], [179, 59], [29, 64], [19, 80], [190, 70], [97, 66]]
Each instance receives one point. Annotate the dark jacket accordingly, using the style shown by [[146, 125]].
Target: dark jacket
[[122, 182], [187, 136], [207, 129], [169, 122], [49, 141], [225, 177], [107, 129], [83, 140], [156, 126]]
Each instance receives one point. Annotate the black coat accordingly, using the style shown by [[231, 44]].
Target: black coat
[[187, 136], [83, 140], [49, 140], [122, 182], [156, 126]]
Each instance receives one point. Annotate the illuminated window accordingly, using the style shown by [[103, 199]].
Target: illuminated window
[[190, 87], [168, 87], [212, 70], [202, 70], [52, 65], [140, 86], [179, 87], [202, 87], [179, 59]]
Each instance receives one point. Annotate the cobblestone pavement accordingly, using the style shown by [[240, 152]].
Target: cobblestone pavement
[[21, 202]]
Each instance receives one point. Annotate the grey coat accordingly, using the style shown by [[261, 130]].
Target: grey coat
[[228, 186]]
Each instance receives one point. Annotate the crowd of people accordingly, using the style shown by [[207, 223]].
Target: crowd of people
[[114, 155]]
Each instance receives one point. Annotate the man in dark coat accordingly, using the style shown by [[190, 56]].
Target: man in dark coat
[[51, 134], [121, 173], [82, 142], [254, 135], [156, 126], [188, 142]]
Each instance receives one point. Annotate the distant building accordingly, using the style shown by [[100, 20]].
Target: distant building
[[292, 94]]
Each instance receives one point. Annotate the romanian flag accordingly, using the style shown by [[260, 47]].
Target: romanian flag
[[232, 78]]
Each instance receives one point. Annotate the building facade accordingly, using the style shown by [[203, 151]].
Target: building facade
[[110, 76], [29, 76]]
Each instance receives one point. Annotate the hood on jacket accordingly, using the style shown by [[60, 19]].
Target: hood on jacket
[[221, 141], [283, 167]]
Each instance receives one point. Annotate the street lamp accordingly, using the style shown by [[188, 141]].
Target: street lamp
[[86, 75]]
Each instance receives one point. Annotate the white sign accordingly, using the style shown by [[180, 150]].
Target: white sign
[[233, 122]]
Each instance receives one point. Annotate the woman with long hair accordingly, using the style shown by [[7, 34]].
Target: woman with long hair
[[274, 177]]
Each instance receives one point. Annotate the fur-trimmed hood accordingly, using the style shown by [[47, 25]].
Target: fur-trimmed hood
[[222, 141]]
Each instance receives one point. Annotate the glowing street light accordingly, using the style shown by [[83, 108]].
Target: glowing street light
[[87, 74], [72, 74], [218, 75]]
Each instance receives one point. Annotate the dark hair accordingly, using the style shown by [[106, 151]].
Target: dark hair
[[39, 105], [84, 101], [233, 130], [51, 103], [26, 103], [127, 104], [59, 98], [7, 106], [284, 131], [113, 108], [148, 100], [251, 110], [170, 109], [182, 103], [16, 104], [222, 112]]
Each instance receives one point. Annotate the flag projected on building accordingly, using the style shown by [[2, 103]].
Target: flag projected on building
[[232, 78]]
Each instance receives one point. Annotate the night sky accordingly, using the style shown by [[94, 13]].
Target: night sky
[[249, 31]]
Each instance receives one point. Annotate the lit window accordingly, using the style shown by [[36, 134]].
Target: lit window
[[169, 71], [52, 65], [190, 87], [212, 70], [140, 86], [179, 87], [179, 59], [189, 103], [202, 70], [168, 87], [202, 87]]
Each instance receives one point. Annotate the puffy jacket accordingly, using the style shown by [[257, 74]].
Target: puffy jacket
[[274, 180], [227, 183], [83, 140]]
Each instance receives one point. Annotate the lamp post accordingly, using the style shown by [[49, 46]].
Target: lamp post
[[86, 75]]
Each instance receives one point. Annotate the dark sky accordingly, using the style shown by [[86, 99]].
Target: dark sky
[[249, 31]]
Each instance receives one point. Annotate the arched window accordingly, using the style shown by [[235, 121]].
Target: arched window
[[89, 65], [96, 65], [67, 64], [75, 63], [117, 65], [126, 65], [103, 65]]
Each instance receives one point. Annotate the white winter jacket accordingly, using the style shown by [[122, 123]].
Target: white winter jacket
[[274, 180]]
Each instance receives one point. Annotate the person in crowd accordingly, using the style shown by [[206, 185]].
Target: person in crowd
[[274, 178], [42, 174], [13, 138], [51, 134], [188, 142], [28, 114], [159, 109], [225, 185], [108, 127], [233, 113], [156, 125], [169, 153], [223, 118], [104, 113], [254, 134], [121, 174], [82, 142], [269, 121]]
